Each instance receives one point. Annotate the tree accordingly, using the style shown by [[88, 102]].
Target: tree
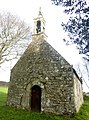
[[14, 36], [83, 72], [77, 26]]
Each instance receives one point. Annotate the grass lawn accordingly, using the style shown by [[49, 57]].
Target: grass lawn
[[3, 95], [9, 113]]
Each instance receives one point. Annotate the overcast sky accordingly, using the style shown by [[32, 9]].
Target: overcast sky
[[27, 10]]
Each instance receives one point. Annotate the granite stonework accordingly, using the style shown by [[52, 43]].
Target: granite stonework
[[78, 93], [42, 65]]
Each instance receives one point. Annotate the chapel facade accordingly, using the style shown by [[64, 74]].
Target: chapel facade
[[42, 80]]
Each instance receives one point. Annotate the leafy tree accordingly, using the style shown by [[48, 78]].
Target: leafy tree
[[14, 36], [63, 2], [77, 26]]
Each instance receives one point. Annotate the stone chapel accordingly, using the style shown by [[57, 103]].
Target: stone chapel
[[42, 80]]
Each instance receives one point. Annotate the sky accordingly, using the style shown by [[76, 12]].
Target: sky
[[27, 10]]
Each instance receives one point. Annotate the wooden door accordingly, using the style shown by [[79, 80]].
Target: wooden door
[[36, 98]]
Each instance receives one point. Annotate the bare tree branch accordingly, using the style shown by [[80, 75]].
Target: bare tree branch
[[81, 73], [13, 34]]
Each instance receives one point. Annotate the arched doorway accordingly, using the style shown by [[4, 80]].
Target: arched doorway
[[36, 98]]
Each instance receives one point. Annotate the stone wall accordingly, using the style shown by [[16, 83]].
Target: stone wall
[[78, 93], [42, 65]]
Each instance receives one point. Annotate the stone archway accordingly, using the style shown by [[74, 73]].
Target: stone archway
[[36, 98]]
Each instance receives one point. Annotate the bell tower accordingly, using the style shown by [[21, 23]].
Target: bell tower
[[39, 23]]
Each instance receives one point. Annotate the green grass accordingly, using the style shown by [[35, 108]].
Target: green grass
[[11, 113], [3, 95]]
